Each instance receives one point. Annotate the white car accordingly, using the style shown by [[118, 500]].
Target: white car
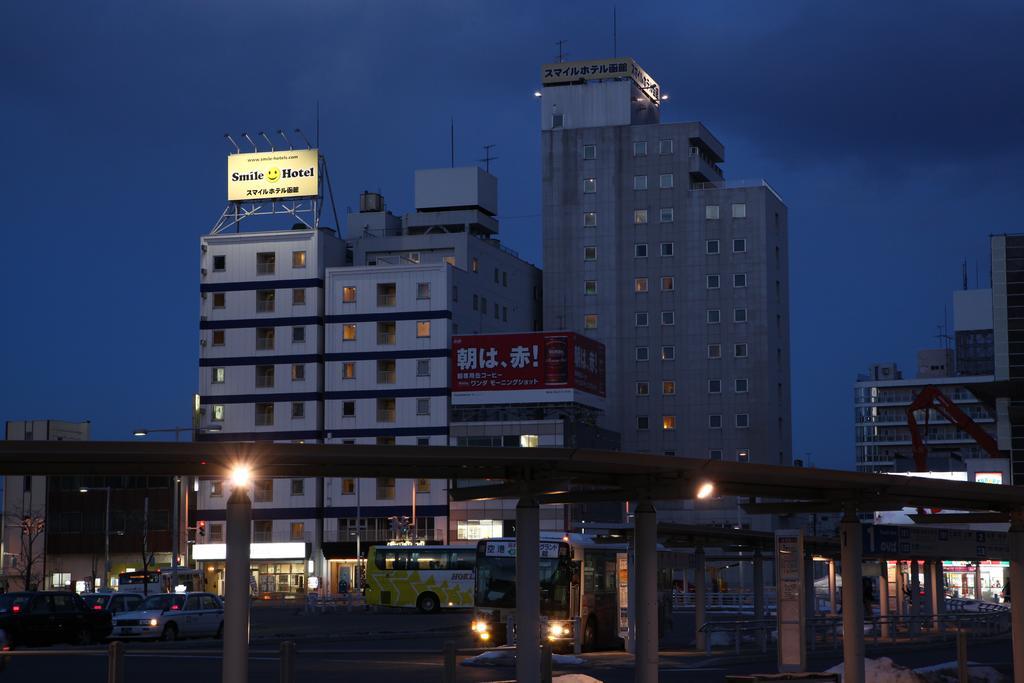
[[169, 616]]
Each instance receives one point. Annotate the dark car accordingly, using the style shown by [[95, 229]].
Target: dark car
[[49, 617], [115, 603]]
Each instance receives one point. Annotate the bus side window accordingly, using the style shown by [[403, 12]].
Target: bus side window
[[575, 576]]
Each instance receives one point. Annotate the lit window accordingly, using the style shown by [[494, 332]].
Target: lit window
[[739, 315], [348, 486], [740, 350], [218, 300], [423, 406], [739, 210], [217, 413], [668, 353], [713, 281], [739, 246], [298, 297], [742, 420], [668, 387], [298, 372], [348, 370], [589, 151], [742, 455], [668, 248], [298, 259], [348, 295], [590, 321], [590, 219], [640, 318], [668, 422], [385, 488], [218, 337], [739, 280], [642, 353], [741, 386], [643, 388], [423, 485], [423, 367], [715, 421], [589, 185], [590, 287], [640, 285], [219, 263], [385, 410], [217, 376], [589, 253], [422, 290], [640, 250], [668, 318], [711, 212], [298, 410], [298, 529], [642, 422], [348, 332], [640, 149], [714, 315], [666, 215], [714, 350], [639, 182], [711, 247], [714, 386], [422, 328], [665, 146], [668, 283], [475, 265], [666, 181], [640, 217]]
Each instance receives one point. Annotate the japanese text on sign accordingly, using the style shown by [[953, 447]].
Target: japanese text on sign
[[624, 67]]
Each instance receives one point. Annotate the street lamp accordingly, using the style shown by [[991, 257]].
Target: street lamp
[[106, 533]]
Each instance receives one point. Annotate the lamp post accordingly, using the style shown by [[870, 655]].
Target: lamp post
[[106, 532]]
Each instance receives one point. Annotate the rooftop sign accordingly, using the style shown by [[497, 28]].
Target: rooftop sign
[[284, 174], [595, 70]]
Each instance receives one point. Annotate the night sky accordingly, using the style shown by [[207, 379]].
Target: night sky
[[893, 132]]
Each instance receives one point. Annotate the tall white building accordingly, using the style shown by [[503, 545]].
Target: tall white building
[[308, 336]]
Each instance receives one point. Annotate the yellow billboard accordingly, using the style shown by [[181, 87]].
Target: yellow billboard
[[284, 174]]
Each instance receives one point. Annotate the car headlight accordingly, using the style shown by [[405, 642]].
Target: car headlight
[[153, 622], [481, 626], [556, 630]]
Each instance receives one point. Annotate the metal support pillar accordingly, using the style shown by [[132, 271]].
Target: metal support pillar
[[236, 588], [758, 584], [977, 580], [811, 603], [699, 597], [646, 562], [883, 599], [1017, 585], [853, 607], [900, 588], [527, 590], [832, 587], [915, 597], [934, 589]]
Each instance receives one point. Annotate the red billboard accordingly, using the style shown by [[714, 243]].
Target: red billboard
[[540, 366]]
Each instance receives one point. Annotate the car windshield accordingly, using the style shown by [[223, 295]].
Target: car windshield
[[163, 602], [14, 602], [496, 583], [94, 600]]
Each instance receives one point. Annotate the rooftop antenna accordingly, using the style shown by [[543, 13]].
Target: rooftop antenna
[[304, 138], [318, 123], [269, 141], [964, 272], [286, 140], [562, 54], [615, 32], [227, 136], [453, 142], [488, 158], [254, 147]]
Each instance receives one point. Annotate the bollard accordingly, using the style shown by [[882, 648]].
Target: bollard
[[961, 655], [287, 661], [577, 637], [115, 662], [545, 662], [448, 672]]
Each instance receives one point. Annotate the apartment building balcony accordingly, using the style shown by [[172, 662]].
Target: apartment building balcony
[[386, 376]]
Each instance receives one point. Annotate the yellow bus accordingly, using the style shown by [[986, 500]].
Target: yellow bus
[[427, 577]]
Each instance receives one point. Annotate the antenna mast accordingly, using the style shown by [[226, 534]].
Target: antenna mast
[[615, 32], [562, 54], [453, 142], [488, 158]]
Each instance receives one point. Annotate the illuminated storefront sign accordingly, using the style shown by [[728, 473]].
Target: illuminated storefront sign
[[284, 174]]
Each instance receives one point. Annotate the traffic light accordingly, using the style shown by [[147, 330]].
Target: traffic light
[[201, 527]]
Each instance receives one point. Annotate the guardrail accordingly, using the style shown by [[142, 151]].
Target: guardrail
[[681, 601]]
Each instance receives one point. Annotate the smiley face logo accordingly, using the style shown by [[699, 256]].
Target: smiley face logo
[[273, 175]]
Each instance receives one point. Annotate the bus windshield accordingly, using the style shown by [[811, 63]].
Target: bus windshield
[[496, 583]]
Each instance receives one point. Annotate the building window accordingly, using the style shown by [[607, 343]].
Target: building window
[[386, 372], [714, 386], [265, 263], [298, 297], [219, 263], [348, 408], [742, 420], [217, 413], [264, 338], [348, 295], [218, 338], [668, 318], [474, 265], [715, 454], [590, 321], [423, 367], [739, 210], [348, 487], [712, 247], [264, 414], [298, 335], [739, 315], [713, 281], [423, 485], [298, 410], [423, 406], [263, 531], [422, 328], [743, 455], [714, 350], [385, 488], [668, 248], [713, 315], [668, 422], [666, 181], [590, 253], [348, 370], [715, 421], [741, 386], [642, 422], [668, 283], [640, 217], [640, 250], [476, 302], [668, 387], [422, 290], [348, 332], [640, 318], [589, 151], [298, 530], [668, 353], [640, 285], [265, 301], [264, 376], [218, 300], [589, 185], [298, 259], [504, 314], [666, 215], [216, 532], [387, 294], [298, 372], [740, 350], [557, 120], [497, 276], [665, 147], [711, 212], [385, 410], [590, 219], [643, 388], [739, 280], [589, 287], [640, 148], [483, 305], [739, 246], [217, 375], [639, 182], [642, 353]]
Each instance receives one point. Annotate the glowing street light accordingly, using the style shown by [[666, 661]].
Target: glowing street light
[[705, 490], [240, 476], [536, 93]]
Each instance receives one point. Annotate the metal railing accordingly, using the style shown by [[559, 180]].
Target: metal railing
[[385, 377], [386, 338], [684, 601], [386, 299]]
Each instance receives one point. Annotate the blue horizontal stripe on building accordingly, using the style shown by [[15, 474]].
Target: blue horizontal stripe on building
[[411, 392], [260, 284], [259, 436], [257, 322], [311, 513], [258, 360], [385, 317], [259, 398], [393, 431], [388, 355]]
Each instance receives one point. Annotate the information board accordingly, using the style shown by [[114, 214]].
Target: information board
[[791, 600]]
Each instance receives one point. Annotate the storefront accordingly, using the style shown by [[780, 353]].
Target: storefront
[[278, 570], [961, 579]]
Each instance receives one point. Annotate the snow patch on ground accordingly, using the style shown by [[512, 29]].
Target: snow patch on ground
[[575, 678], [883, 670], [947, 673]]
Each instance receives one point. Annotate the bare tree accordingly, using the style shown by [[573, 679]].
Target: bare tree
[[28, 560]]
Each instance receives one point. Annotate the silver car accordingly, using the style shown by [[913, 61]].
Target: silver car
[[169, 616]]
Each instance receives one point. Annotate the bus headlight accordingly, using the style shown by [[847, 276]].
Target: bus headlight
[[480, 626], [557, 630]]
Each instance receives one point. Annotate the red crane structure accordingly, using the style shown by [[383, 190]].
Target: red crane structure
[[931, 398]]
